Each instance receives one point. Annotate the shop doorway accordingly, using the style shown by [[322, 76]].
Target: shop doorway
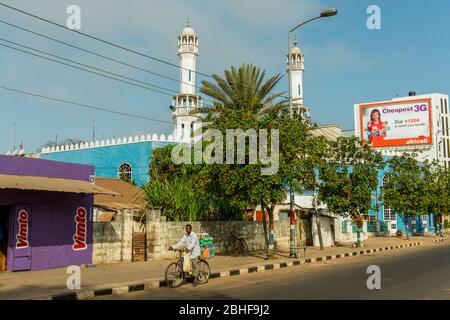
[[4, 226]]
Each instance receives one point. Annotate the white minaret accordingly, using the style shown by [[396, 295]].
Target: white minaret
[[187, 101], [298, 68]]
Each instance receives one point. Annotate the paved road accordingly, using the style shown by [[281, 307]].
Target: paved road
[[412, 273]]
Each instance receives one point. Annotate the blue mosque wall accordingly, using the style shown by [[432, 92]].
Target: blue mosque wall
[[107, 159]]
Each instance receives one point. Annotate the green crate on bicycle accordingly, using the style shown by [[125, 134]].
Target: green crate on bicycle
[[207, 245]]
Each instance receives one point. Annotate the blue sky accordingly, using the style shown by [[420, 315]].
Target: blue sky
[[346, 63]]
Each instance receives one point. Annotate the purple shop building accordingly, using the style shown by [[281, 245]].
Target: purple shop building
[[46, 212]]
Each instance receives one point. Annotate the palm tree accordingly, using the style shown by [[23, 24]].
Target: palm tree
[[243, 88]]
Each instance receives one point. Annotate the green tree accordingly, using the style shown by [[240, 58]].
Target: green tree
[[348, 176], [242, 88], [403, 188], [178, 191], [437, 190]]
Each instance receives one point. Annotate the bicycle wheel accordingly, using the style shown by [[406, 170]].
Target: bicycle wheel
[[243, 246], [203, 272], [174, 275], [229, 246]]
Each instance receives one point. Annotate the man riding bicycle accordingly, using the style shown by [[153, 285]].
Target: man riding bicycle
[[190, 241]]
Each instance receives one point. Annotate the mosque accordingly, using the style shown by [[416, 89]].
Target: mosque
[[129, 157]]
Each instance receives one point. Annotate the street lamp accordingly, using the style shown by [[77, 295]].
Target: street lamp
[[324, 14]]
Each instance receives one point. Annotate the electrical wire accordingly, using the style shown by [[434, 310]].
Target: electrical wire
[[83, 105], [112, 43], [86, 70], [98, 54], [86, 65]]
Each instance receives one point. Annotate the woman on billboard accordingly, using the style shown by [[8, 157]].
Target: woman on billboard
[[376, 129]]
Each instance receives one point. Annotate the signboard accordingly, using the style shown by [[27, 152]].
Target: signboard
[[21, 253], [80, 235], [396, 123], [22, 237]]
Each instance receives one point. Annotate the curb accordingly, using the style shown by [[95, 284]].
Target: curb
[[141, 286], [440, 240]]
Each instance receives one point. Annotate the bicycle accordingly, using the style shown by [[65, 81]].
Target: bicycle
[[175, 276], [236, 244]]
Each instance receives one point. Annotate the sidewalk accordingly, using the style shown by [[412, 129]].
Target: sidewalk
[[27, 285]]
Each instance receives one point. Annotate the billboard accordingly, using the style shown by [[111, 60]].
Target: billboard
[[396, 123]]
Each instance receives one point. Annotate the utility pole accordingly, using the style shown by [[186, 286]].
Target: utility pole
[[93, 131], [14, 137], [324, 14], [293, 226]]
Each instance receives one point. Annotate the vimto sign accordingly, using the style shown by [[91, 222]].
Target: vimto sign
[[396, 123], [80, 236]]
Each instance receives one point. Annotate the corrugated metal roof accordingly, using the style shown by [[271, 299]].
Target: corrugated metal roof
[[130, 196], [50, 184], [106, 216]]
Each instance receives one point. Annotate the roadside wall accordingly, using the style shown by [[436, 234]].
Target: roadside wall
[[345, 233], [162, 234], [113, 240]]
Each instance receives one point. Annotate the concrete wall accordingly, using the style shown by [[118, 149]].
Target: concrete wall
[[325, 225], [162, 234], [113, 240], [346, 236]]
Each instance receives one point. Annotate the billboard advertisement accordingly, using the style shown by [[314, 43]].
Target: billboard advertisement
[[396, 123]]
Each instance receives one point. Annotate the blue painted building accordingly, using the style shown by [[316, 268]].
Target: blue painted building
[[382, 219], [127, 157]]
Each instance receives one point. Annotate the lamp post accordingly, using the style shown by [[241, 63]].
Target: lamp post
[[436, 224], [324, 14]]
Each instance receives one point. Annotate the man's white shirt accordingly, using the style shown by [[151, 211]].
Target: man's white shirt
[[191, 243]]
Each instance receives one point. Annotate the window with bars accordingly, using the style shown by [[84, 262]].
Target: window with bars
[[344, 227], [446, 124], [448, 144], [389, 215], [125, 173]]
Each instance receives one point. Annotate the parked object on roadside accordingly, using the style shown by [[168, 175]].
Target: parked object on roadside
[[399, 233], [236, 244], [207, 245]]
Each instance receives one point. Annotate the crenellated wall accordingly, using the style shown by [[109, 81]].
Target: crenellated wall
[[108, 142], [108, 155]]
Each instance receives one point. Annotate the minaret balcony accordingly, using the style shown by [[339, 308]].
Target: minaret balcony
[[187, 48], [297, 65], [184, 111]]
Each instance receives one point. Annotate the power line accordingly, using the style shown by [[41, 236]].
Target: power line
[[99, 39], [327, 134], [82, 105], [98, 54], [86, 65], [86, 70], [114, 44]]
